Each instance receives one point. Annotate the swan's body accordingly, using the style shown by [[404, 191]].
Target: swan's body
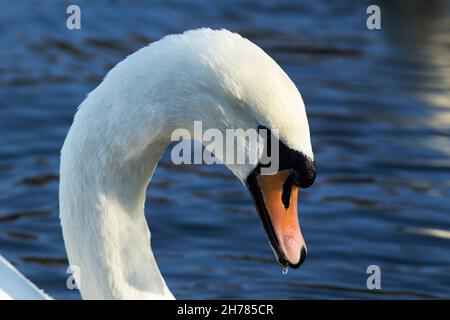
[[124, 126], [14, 285]]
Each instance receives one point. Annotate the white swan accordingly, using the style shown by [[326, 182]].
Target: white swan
[[124, 126]]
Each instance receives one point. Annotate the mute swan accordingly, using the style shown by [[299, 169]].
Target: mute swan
[[123, 127]]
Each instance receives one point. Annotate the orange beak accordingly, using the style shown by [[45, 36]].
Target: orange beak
[[276, 199], [283, 215]]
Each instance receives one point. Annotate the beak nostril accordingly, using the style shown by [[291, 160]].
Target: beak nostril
[[287, 190]]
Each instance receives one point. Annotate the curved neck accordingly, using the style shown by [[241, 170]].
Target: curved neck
[[111, 151], [107, 161], [104, 227]]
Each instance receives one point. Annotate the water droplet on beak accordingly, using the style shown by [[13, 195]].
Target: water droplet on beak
[[284, 269]]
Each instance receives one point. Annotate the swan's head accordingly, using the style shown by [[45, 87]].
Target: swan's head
[[251, 92], [285, 165]]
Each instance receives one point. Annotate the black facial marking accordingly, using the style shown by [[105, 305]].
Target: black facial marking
[[304, 168]]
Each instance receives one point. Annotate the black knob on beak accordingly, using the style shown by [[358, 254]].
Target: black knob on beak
[[305, 172]]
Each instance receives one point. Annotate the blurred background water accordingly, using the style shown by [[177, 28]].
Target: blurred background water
[[379, 109]]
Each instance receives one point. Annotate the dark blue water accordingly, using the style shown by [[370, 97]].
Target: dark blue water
[[379, 111]]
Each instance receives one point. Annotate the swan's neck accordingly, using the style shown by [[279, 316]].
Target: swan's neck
[[109, 156], [105, 231]]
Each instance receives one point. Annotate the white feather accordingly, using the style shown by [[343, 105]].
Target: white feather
[[124, 126]]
